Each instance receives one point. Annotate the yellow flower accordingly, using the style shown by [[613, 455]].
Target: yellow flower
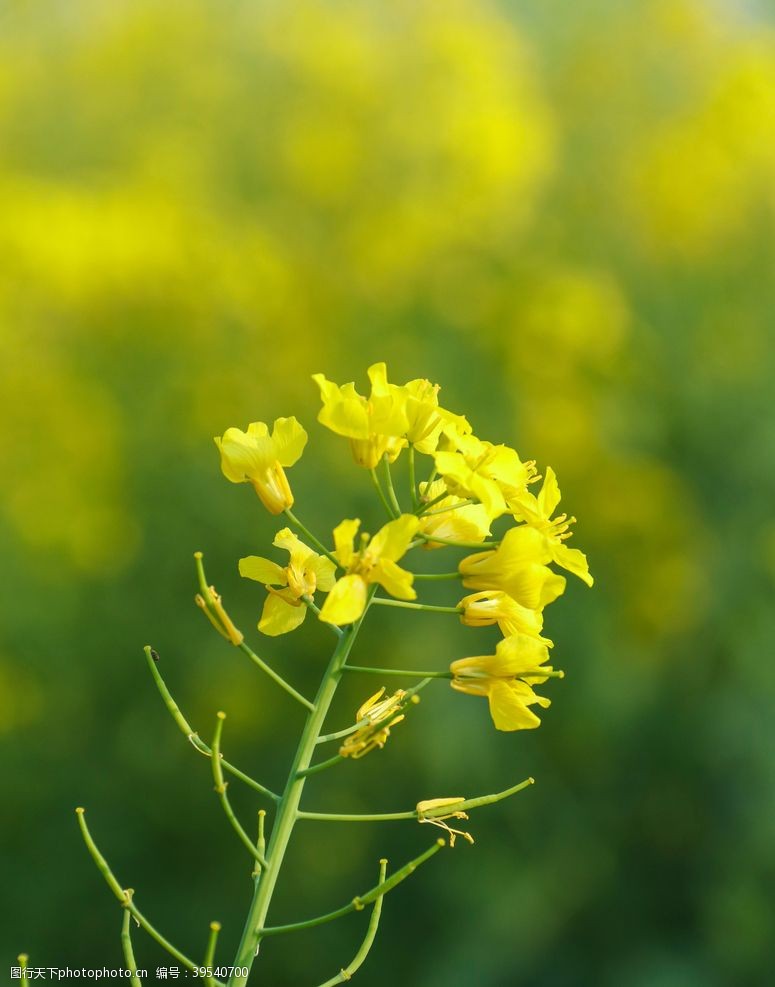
[[306, 571], [374, 425], [256, 457], [374, 562], [518, 567], [427, 419], [470, 522], [483, 471], [380, 715], [435, 811], [494, 606], [505, 678], [537, 512]]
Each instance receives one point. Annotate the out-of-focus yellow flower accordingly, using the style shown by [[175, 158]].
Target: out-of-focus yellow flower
[[483, 471], [380, 715], [258, 458], [505, 678], [306, 571], [375, 425], [518, 567], [537, 512], [374, 562], [470, 522], [494, 606], [435, 811]]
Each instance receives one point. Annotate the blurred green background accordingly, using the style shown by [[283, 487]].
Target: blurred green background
[[563, 213]]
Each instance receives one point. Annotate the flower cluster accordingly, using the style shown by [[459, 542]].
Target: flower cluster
[[472, 485]]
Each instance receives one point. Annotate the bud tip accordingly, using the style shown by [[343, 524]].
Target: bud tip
[[215, 926]]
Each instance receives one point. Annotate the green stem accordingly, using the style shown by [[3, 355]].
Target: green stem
[[385, 602], [449, 507], [23, 960], [288, 808], [325, 738], [397, 671], [125, 897], [274, 676], [190, 734], [412, 478], [323, 766], [390, 488], [209, 957], [464, 804], [361, 900], [438, 575], [458, 544], [126, 945], [422, 508], [220, 788], [381, 492], [310, 537], [371, 932]]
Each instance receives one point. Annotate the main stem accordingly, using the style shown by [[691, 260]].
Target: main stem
[[288, 809]]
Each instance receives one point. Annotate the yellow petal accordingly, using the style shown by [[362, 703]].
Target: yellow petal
[[325, 572], [244, 455], [397, 581], [574, 561], [288, 439], [344, 410], [518, 655], [344, 540], [508, 706], [262, 570], [549, 497], [279, 616], [346, 601], [392, 540]]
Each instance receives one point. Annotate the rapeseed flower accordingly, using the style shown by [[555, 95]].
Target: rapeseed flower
[[379, 715], [467, 522], [375, 425], [482, 471], [306, 572], [517, 567], [258, 458], [505, 678], [373, 563], [537, 512], [496, 607]]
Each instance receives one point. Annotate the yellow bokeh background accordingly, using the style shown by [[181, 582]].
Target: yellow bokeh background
[[562, 215]]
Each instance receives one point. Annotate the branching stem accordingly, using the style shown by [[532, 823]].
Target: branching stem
[[390, 488], [190, 734], [361, 901], [397, 671], [405, 605], [288, 808], [310, 537], [220, 788], [378, 487], [368, 940]]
